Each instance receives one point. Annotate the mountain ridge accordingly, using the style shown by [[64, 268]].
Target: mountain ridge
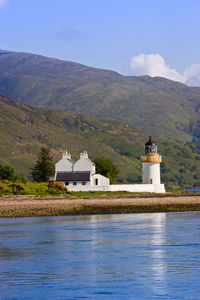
[[156, 105]]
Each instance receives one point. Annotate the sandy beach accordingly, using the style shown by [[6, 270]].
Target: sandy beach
[[27, 206]]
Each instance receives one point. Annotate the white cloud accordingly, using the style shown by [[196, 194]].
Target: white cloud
[[192, 75], [2, 2], [155, 65]]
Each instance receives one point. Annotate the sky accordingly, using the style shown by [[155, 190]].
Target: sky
[[132, 37]]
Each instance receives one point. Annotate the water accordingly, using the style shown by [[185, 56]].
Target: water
[[194, 190], [130, 256]]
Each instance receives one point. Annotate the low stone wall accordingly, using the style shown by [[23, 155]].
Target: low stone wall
[[137, 188]]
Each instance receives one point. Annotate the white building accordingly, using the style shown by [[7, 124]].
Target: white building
[[78, 174], [81, 175]]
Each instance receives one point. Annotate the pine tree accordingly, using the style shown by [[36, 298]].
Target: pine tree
[[44, 166]]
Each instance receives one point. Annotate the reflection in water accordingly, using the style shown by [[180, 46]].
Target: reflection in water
[[133, 256], [158, 254]]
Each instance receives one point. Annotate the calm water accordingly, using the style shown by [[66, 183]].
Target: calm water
[[194, 190], [133, 256]]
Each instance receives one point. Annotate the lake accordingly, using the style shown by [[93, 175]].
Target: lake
[[129, 256]]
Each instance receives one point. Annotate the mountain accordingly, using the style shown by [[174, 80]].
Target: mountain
[[25, 129], [156, 105]]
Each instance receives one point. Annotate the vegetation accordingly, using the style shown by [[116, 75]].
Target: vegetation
[[178, 191], [105, 167], [31, 188], [52, 83], [44, 166], [8, 172], [57, 188], [25, 130]]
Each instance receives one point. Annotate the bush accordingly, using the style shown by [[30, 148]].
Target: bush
[[31, 188], [7, 172], [2, 189], [36, 188], [57, 187], [16, 187]]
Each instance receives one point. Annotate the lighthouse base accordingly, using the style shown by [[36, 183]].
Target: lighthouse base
[[134, 188]]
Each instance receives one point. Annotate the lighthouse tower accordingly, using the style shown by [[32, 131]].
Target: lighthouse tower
[[151, 164]]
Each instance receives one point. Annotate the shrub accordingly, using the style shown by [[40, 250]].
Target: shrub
[[8, 172], [2, 189], [16, 187], [36, 188], [57, 187]]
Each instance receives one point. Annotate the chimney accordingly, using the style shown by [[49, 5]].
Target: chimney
[[84, 154], [66, 154]]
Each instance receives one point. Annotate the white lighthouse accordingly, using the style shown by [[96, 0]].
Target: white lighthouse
[[151, 164]]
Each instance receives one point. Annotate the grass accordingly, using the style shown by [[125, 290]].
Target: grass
[[179, 191]]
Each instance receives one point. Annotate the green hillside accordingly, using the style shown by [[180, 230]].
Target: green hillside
[[24, 129], [156, 105]]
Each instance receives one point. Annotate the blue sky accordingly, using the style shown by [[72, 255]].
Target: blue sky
[[155, 37]]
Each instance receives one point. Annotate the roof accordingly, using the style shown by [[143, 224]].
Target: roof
[[86, 158], [69, 159], [150, 142], [73, 176]]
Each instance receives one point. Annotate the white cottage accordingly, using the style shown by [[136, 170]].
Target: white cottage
[[78, 174]]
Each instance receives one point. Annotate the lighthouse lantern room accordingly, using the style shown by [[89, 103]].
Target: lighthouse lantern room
[[151, 164]]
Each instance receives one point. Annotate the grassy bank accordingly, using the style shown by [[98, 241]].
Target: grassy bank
[[62, 206], [56, 188]]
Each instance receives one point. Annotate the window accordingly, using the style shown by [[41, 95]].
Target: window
[[74, 183], [83, 182], [96, 181], [67, 183]]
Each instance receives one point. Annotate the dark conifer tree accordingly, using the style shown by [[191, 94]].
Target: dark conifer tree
[[44, 166]]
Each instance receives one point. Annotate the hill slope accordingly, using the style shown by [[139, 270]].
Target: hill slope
[[155, 105], [24, 129]]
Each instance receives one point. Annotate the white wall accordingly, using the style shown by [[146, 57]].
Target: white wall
[[64, 165], [84, 164], [102, 180], [151, 188], [151, 171]]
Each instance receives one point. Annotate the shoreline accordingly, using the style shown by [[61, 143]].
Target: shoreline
[[36, 206]]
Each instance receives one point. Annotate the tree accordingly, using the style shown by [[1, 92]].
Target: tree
[[44, 166], [8, 172], [105, 167]]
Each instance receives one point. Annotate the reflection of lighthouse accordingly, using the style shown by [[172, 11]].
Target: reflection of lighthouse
[[151, 164], [158, 253]]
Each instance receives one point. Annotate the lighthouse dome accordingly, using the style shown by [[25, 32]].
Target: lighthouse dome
[[150, 146]]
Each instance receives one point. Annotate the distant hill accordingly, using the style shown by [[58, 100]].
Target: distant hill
[[156, 105], [24, 129]]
